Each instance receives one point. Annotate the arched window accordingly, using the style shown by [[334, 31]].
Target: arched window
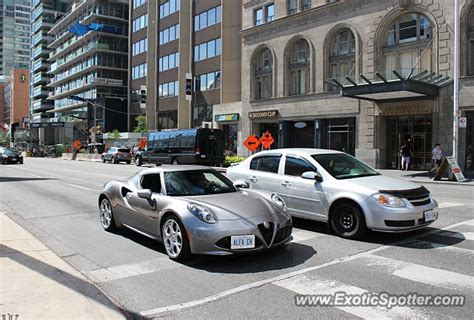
[[342, 55], [470, 41], [263, 77], [298, 66], [407, 44]]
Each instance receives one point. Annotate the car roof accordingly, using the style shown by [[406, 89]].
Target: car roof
[[173, 168], [299, 151]]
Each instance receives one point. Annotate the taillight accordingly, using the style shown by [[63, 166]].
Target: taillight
[[197, 150]]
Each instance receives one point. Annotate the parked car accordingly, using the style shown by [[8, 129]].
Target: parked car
[[336, 188], [117, 155], [190, 146], [10, 155], [195, 210]]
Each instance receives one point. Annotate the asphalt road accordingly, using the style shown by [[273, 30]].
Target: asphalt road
[[56, 200]]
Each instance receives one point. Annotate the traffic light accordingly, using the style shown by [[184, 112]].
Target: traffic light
[[142, 94]]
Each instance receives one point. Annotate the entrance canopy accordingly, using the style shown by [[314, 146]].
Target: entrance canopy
[[392, 86]]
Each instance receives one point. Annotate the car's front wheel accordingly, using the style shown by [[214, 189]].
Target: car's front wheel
[[114, 161], [106, 215], [347, 221], [103, 159], [175, 239]]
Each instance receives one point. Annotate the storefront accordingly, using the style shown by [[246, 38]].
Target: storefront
[[229, 123], [265, 121]]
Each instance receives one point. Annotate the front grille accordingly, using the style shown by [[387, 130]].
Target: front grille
[[417, 197], [224, 243], [282, 234], [267, 234], [399, 223]]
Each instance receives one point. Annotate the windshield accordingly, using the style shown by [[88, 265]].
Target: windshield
[[10, 152], [344, 166], [124, 150], [196, 183]]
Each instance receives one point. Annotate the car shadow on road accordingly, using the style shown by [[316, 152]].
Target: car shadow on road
[[151, 244], [18, 179]]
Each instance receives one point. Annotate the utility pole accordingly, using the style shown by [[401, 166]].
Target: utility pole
[[456, 80]]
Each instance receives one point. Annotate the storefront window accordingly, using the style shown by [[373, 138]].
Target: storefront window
[[230, 136]]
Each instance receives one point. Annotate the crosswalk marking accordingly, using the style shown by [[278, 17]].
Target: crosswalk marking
[[424, 274], [130, 270], [441, 246], [443, 205], [314, 285]]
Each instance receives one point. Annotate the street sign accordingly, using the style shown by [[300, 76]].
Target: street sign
[[252, 143], [462, 122], [450, 163], [267, 140]]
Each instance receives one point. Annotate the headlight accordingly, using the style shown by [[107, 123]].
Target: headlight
[[386, 200], [280, 203], [201, 212]]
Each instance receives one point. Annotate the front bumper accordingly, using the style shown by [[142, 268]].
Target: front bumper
[[10, 159], [410, 218], [214, 239]]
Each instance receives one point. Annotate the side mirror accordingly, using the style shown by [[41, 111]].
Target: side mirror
[[145, 194], [311, 175], [241, 184]]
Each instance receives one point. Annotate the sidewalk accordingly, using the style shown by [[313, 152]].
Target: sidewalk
[[36, 284], [422, 177]]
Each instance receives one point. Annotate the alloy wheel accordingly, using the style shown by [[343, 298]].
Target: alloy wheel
[[172, 238], [105, 214]]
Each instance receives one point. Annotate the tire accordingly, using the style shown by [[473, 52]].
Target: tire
[[21, 161], [138, 161], [106, 215], [347, 221], [175, 239], [175, 162], [128, 162], [103, 159]]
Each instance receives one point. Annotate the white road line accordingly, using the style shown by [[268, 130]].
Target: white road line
[[470, 223], [445, 247], [300, 235], [218, 296], [443, 205], [80, 187], [315, 285], [459, 235], [130, 270], [424, 274]]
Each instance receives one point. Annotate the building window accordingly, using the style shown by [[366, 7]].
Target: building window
[[202, 114], [263, 77], [258, 16], [298, 65], [169, 89], [270, 12], [207, 50], [342, 55], [168, 62], [137, 3], [207, 18], [305, 5], [140, 22], [139, 71], [168, 119], [292, 6], [470, 41], [407, 44], [208, 81], [139, 47], [169, 34], [168, 8]]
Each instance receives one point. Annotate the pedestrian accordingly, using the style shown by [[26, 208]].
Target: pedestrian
[[405, 152], [436, 159]]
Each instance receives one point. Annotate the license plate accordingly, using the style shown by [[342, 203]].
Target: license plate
[[242, 242], [13, 159], [431, 215]]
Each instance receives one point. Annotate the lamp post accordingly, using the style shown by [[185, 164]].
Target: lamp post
[[94, 106], [456, 80]]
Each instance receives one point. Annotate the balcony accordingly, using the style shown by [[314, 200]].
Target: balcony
[[41, 105], [41, 38], [40, 65], [40, 79], [39, 52], [41, 25], [39, 92]]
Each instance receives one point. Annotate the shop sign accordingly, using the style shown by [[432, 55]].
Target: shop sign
[[227, 117], [269, 114], [300, 125], [252, 143], [450, 163]]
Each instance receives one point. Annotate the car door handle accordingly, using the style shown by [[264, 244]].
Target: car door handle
[[286, 184], [253, 179]]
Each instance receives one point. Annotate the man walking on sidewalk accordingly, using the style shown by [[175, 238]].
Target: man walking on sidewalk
[[436, 159], [405, 151]]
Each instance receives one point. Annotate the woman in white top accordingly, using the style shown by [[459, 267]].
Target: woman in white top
[[436, 158]]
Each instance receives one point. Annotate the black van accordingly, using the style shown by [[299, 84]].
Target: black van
[[188, 146]]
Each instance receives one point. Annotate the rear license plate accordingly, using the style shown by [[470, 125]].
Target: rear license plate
[[430, 215], [13, 159], [242, 242]]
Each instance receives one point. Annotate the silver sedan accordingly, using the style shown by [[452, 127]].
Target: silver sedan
[[334, 187], [195, 210]]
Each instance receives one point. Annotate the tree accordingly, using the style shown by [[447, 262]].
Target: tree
[[113, 135], [141, 126]]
